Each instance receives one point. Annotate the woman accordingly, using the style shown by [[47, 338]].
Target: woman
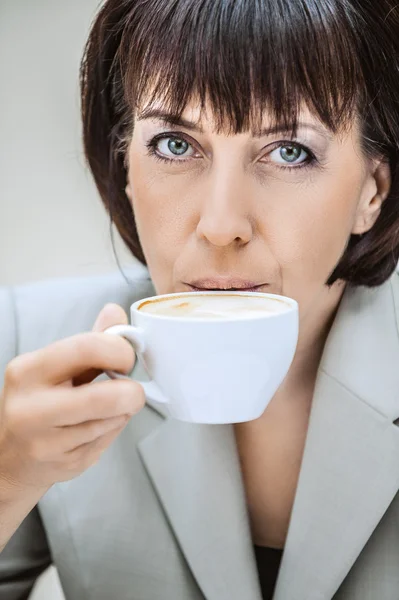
[[235, 144]]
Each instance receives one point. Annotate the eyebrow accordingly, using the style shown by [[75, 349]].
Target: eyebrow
[[169, 119], [176, 120]]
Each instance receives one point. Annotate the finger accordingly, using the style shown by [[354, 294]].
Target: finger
[[66, 439], [92, 451], [68, 358], [111, 314], [99, 400]]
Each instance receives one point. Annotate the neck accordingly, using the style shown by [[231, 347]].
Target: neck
[[314, 328], [296, 391], [287, 415]]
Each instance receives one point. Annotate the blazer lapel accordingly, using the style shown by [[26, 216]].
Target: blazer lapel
[[196, 473], [349, 473]]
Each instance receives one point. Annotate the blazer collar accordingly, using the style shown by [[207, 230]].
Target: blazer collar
[[348, 476]]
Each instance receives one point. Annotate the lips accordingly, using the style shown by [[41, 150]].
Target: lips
[[226, 284]]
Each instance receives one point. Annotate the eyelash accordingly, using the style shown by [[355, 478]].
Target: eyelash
[[151, 145]]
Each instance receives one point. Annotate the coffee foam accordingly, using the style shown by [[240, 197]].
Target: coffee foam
[[218, 306]]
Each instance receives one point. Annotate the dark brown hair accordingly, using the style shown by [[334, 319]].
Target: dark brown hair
[[340, 57]]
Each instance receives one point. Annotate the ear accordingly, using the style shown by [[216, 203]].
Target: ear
[[375, 191], [128, 191]]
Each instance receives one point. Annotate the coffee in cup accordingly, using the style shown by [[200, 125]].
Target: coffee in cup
[[223, 305]]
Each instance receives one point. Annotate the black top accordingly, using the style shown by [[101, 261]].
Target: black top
[[268, 563]]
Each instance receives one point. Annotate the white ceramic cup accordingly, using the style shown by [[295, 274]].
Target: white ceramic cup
[[212, 370]]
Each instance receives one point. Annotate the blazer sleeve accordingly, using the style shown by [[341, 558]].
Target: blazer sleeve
[[27, 553]]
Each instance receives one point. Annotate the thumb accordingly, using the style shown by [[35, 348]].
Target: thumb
[[111, 314]]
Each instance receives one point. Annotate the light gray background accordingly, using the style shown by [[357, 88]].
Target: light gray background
[[51, 220]]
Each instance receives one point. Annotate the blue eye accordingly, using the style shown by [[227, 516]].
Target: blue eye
[[291, 154], [171, 147]]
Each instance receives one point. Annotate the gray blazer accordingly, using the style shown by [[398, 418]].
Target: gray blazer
[[163, 516]]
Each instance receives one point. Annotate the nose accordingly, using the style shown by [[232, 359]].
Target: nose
[[225, 217]]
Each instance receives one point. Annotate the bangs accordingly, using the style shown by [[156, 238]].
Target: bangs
[[243, 58]]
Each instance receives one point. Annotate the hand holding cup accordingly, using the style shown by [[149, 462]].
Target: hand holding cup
[[55, 421]]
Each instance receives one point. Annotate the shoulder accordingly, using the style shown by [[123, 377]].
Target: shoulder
[[53, 309]]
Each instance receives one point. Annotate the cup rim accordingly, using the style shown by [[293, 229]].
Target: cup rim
[[292, 306]]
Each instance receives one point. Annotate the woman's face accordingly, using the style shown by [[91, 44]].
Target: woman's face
[[215, 210]]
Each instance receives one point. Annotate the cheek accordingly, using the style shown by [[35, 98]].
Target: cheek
[[309, 227], [162, 211], [160, 202]]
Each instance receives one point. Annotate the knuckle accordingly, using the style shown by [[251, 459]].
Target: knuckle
[[15, 370], [23, 415], [130, 397], [14, 419]]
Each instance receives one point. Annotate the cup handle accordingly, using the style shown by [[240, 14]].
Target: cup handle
[[136, 337]]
